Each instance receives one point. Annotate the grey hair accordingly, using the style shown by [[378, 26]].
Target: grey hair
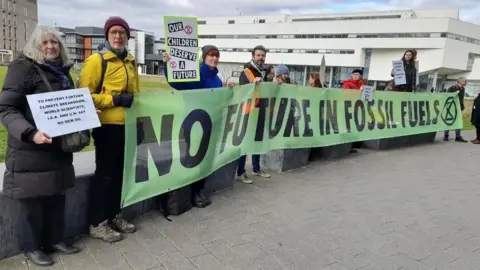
[[461, 79], [32, 48]]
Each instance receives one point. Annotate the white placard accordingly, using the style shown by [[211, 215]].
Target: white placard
[[399, 72], [181, 36], [367, 93], [63, 112]]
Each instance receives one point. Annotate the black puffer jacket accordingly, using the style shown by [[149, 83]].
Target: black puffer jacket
[[31, 170]]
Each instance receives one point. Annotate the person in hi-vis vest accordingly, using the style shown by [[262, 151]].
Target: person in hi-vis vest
[[253, 72]]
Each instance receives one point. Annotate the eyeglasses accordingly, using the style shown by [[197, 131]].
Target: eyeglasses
[[117, 32]]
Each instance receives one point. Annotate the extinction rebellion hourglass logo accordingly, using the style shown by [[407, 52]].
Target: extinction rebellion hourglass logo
[[450, 111]]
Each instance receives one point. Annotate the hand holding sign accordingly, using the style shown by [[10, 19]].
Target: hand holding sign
[[181, 46], [166, 57], [41, 137]]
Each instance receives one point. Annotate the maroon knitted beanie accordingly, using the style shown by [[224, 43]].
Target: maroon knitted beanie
[[115, 20]]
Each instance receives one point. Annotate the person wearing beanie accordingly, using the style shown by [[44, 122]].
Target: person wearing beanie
[[281, 73], [208, 71], [112, 90], [208, 79], [356, 82]]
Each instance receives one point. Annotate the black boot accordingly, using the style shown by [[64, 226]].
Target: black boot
[[39, 258], [65, 249], [207, 201], [445, 138], [460, 139], [198, 201]]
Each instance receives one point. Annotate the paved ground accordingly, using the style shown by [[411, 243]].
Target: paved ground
[[414, 208]]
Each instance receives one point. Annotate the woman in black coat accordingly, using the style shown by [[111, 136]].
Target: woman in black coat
[[37, 171], [476, 118], [408, 60]]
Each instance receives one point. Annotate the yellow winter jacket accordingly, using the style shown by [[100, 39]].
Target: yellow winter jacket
[[119, 76]]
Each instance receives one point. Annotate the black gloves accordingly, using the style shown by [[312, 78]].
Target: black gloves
[[125, 99]]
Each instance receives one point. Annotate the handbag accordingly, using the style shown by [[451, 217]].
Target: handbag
[[73, 142]]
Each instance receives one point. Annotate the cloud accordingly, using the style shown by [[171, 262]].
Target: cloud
[[148, 14]]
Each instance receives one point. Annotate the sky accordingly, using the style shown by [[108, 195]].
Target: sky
[[147, 15]]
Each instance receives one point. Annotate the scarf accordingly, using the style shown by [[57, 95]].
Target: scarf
[[120, 54], [60, 71], [259, 69]]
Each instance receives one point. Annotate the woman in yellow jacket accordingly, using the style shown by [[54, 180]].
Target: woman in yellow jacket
[[120, 82]]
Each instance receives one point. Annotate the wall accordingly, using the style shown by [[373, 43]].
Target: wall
[[381, 62], [456, 54], [453, 13], [472, 75], [418, 25], [346, 60]]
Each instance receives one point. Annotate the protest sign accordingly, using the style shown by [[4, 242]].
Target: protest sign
[[187, 135], [181, 36], [399, 72], [367, 93], [63, 112]]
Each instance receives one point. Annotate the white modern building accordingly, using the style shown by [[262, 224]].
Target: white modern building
[[447, 47]]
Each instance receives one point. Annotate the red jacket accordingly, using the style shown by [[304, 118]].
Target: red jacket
[[353, 84]]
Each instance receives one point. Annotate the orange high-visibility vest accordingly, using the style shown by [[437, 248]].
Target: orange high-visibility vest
[[251, 78]]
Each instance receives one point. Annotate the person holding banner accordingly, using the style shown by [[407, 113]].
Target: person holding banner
[[459, 88], [269, 74], [112, 77], [38, 171], [281, 73], [315, 80], [208, 79], [356, 82], [475, 120], [253, 72]]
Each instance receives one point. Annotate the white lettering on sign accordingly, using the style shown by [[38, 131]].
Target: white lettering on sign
[[184, 74], [174, 52], [182, 42], [182, 46], [63, 112]]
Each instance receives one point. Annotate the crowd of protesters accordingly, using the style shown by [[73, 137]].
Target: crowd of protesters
[[38, 171]]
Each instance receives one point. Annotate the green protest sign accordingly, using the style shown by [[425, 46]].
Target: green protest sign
[[186, 135]]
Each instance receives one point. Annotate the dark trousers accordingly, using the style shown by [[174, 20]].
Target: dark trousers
[[106, 186], [243, 160], [457, 133], [197, 188], [478, 132], [42, 222]]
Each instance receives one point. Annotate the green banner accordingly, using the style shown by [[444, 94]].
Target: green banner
[[186, 135]]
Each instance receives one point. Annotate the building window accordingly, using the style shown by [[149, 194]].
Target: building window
[[341, 36], [231, 21], [261, 21], [201, 22], [25, 10]]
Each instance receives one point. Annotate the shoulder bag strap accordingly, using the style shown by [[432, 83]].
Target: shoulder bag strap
[[102, 77], [44, 79]]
